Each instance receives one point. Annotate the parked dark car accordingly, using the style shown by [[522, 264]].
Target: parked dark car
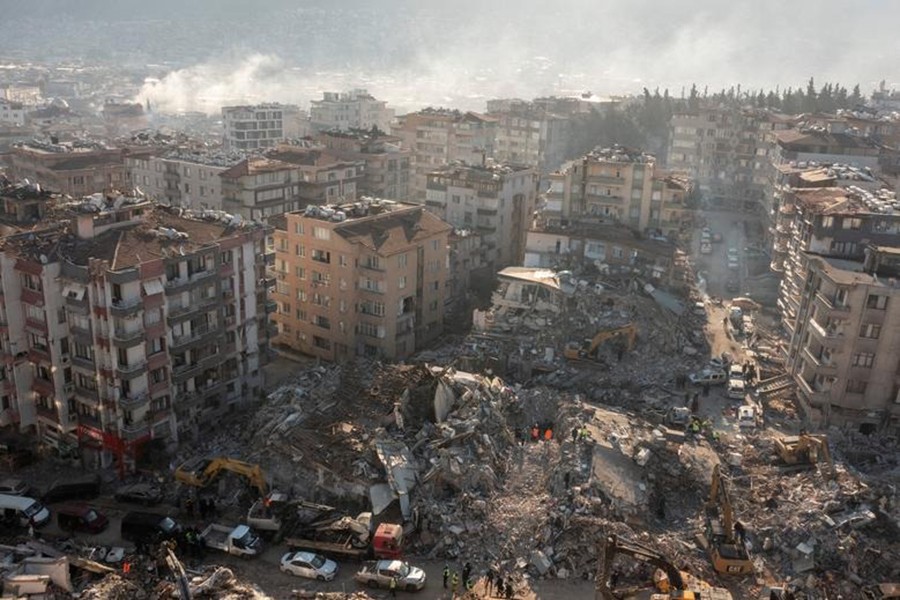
[[148, 527], [83, 488], [80, 517], [139, 493]]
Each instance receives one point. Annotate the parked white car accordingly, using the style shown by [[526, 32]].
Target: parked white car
[[710, 376], [309, 565]]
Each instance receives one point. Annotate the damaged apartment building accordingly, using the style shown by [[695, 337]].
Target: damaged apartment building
[[125, 322], [367, 278], [833, 249], [496, 201]]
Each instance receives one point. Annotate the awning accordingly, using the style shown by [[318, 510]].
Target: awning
[[75, 291], [153, 286]]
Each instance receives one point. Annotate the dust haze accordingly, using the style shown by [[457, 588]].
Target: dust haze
[[461, 53]]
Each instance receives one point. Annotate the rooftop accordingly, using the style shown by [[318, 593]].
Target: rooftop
[[819, 137], [842, 200], [620, 154], [254, 165], [487, 172]]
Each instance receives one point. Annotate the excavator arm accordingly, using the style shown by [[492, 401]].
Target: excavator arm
[[628, 332], [614, 547], [201, 472]]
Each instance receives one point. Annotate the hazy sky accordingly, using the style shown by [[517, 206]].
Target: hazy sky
[[421, 51]]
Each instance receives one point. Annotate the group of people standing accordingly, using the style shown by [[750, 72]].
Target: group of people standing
[[495, 585]]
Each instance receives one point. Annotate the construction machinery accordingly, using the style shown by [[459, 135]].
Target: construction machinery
[[805, 450], [200, 472], [721, 538], [588, 348], [670, 582]]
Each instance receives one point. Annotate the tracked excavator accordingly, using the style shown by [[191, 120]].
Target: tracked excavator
[[200, 472], [805, 450], [728, 553], [669, 582], [588, 349]]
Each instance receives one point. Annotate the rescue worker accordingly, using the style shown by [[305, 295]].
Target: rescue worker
[[535, 432], [488, 581], [446, 574], [454, 584], [393, 587]]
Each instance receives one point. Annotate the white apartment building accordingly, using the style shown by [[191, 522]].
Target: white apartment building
[[12, 113], [180, 178], [356, 109], [250, 128]]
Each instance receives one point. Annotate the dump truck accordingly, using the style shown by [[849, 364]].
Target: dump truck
[[350, 538], [239, 541]]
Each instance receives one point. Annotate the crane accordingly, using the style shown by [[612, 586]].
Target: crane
[[668, 579], [728, 554]]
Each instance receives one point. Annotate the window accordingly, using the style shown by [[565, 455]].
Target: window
[[863, 359], [301, 315], [876, 302], [320, 342], [34, 313], [855, 386], [301, 295], [323, 279], [372, 308], [854, 223], [321, 300], [321, 233], [870, 331], [322, 322], [401, 261], [343, 261], [158, 375], [300, 250], [401, 283], [300, 272], [827, 222], [31, 282], [436, 285], [434, 245], [321, 256], [157, 345], [298, 228], [367, 329]]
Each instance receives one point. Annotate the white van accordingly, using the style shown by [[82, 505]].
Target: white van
[[736, 388], [23, 510], [710, 376]]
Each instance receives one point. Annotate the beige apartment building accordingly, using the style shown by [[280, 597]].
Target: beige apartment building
[[846, 349], [618, 185], [73, 168], [495, 200], [438, 137], [181, 178], [361, 279], [388, 166]]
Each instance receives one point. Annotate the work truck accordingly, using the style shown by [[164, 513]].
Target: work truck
[[239, 541]]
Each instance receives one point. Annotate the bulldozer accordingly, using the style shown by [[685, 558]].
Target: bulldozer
[[200, 472], [588, 348], [805, 450], [728, 554], [670, 582]]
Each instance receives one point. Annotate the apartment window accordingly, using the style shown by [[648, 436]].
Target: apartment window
[[321, 256], [301, 295], [323, 279], [367, 329], [436, 285], [827, 222], [298, 228], [300, 250], [321, 300], [300, 272], [401, 261], [320, 342], [34, 313], [157, 345], [158, 375], [301, 315], [321, 233], [323, 322], [31, 282], [617, 252], [863, 359], [372, 308], [434, 245], [285, 308], [876, 302], [342, 260], [401, 282], [855, 386], [870, 331], [455, 199], [151, 317], [853, 223], [281, 287], [225, 258]]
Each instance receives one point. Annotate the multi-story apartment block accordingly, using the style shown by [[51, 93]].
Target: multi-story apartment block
[[324, 178], [825, 145], [124, 322], [726, 151], [181, 177], [75, 168], [356, 109], [495, 200], [618, 185], [362, 279], [250, 128], [827, 221], [846, 348], [438, 137], [12, 113], [529, 134], [388, 166]]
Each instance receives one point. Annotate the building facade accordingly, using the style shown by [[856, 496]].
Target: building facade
[[181, 178], [846, 347], [249, 128], [364, 279], [529, 134], [12, 113], [356, 109], [438, 137], [124, 322], [496, 200], [388, 166], [76, 168]]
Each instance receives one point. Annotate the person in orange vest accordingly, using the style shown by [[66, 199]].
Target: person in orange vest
[[126, 567], [548, 434]]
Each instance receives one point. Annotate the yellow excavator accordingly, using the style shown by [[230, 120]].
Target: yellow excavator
[[588, 348], [727, 552], [805, 449], [200, 472], [670, 582]]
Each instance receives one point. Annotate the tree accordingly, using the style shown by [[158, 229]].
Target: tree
[[810, 103]]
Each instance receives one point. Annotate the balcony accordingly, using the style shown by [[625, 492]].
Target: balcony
[[196, 333], [89, 396], [134, 431], [186, 371], [35, 297], [130, 371], [226, 269], [44, 387], [82, 334], [174, 285], [88, 420], [821, 364], [606, 179], [159, 387], [124, 308], [38, 355], [829, 303], [128, 339], [813, 394], [46, 412], [131, 402], [76, 305], [832, 334], [35, 326], [83, 363]]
